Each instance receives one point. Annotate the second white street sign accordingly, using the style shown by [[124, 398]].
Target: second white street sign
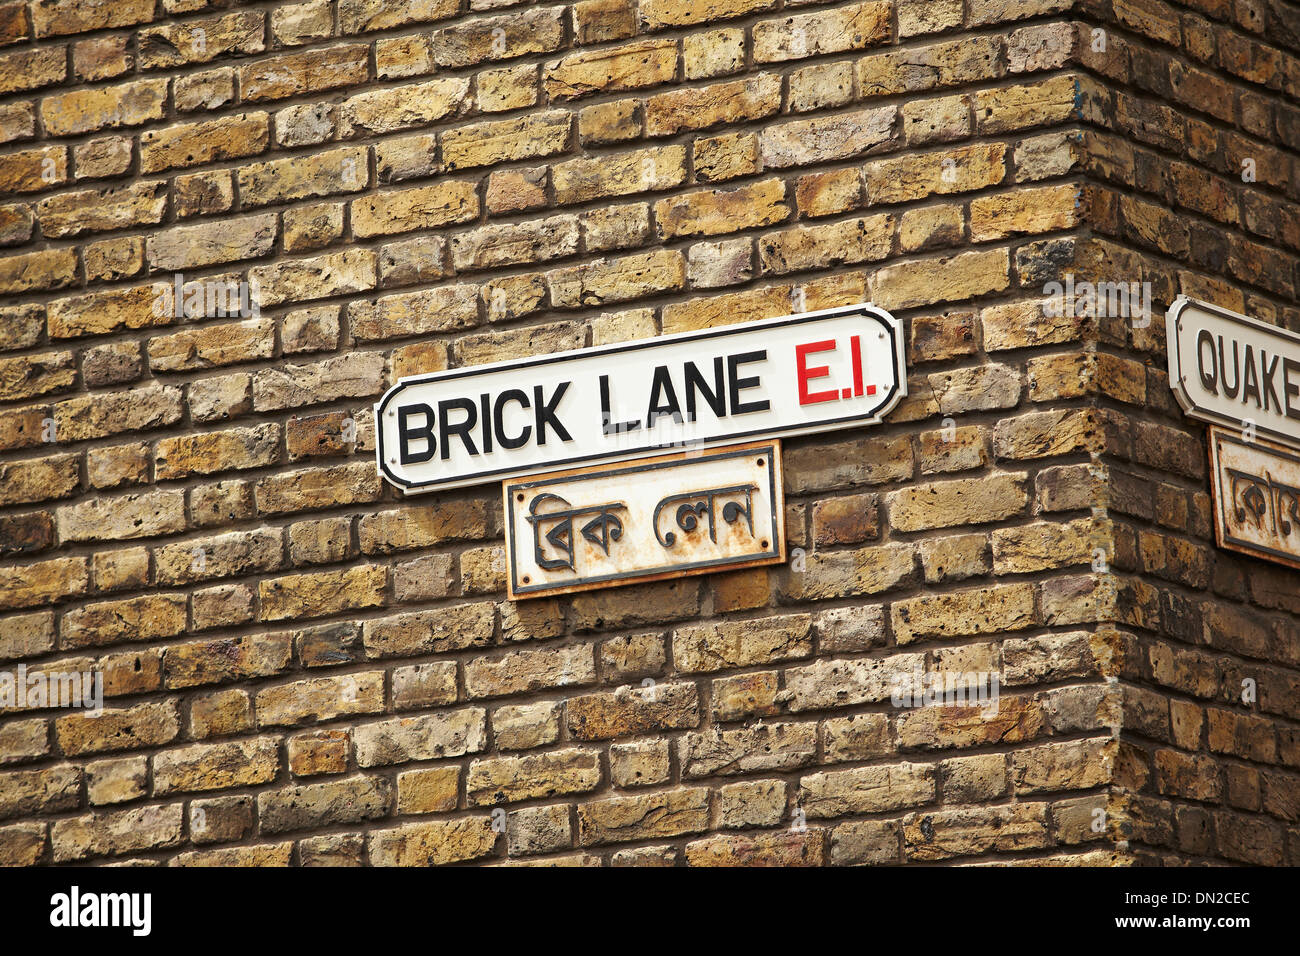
[[798, 374], [1233, 370]]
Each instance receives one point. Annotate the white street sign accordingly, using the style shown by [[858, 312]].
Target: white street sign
[[1232, 370], [794, 375]]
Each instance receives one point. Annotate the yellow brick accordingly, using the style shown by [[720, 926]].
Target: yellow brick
[[712, 212], [1027, 211], [629, 67], [926, 174]]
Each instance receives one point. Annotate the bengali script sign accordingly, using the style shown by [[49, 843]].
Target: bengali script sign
[[687, 513], [1256, 497]]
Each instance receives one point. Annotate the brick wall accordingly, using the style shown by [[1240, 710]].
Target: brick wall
[[300, 666], [1194, 144]]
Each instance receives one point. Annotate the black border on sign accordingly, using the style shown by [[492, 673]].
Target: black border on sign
[[1176, 371], [891, 325], [634, 469]]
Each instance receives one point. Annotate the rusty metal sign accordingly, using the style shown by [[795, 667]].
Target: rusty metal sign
[[1256, 487], [669, 516]]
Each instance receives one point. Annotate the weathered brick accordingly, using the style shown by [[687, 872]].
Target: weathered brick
[[764, 747], [617, 280], [866, 789], [216, 766], [709, 647], [870, 570], [426, 737], [964, 832], [220, 714], [526, 726], [521, 671], [123, 518], [605, 123], [236, 448], [51, 18], [188, 247], [44, 582], [658, 14], [221, 819], [116, 781], [47, 269], [227, 659], [828, 683], [324, 592], [262, 854], [633, 66], [108, 107], [423, 685], [38, 479], [428, 791], [26, 533], [222, 606], [353, 375], [344, 170], [669, 113], [628, 711], [116, 833], [794, 848], [843, 243], [434, 843], [102, 210], [133, 619], [313, 71], [646, 817], [511, 779], [32, 791], [496, 38], [97, 313], [810, 34], [194, 144], [823, 139], [400, 107], [1006, 607], [647, 170], [350, 800], [717, 211], [133, 728], [912, 177], [320, 699], [532, 241], [430, 631], [483, 144], [950, 63]]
